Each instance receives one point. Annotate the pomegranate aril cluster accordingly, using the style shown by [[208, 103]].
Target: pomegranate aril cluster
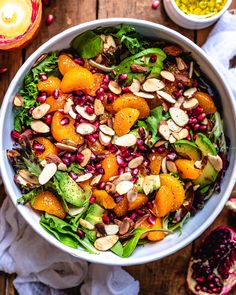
[[196, 118]]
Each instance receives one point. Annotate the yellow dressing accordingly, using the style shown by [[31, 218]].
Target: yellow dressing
[[15, 17]]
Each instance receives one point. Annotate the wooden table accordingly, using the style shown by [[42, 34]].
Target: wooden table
[[163, 277]]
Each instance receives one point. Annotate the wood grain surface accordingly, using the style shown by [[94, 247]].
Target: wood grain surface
[[163, 277]]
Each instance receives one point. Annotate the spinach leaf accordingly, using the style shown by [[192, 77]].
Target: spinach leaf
[[88, 44], [25, 198], [168, 225], [76, 168], [117, 249]]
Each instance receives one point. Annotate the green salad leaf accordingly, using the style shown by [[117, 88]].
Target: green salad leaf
[[168, 225], [25, 198], [88, 44], [217, 133], [76, 168]]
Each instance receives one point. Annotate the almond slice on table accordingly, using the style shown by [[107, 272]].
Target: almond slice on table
[[124, 186], [190, 104], [135, 86], [144, 95], [190, 92], [168, 76], [126, 140], [106, 243], [47, 173], [166, 96], [98, 107], [104, 138], [40, 111], [85, 128], [87, 155], [84, 177], [65, 147], [114, 87], [164, 130], [153, 84], [134, 163], [39, 126], [172, 126], [179, 116], [81, 111], [107, 130]]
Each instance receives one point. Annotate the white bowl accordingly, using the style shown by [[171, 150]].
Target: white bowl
[[201, 221], [190, 21]]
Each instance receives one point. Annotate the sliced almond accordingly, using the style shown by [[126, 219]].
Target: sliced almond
[[67, 106], [39, 126], [110, 188], [96, 179], [172, 126], [181, 65], [104, 138], [125, 176], [124, 227], [87, 155], [172, 139], [69, 142], [179, 116], [81, 110], [85, 128], [190, 92], [106, 243], [153, 84], [135, 68], [22, 181], [107, 130], [72, 113], [132, 195], [150, 183], [62, 167], [86, 224], [160, 143], [65, 147], [144, 95], [73, 210], [47, 173], [124, 186], [126, 140], [166, 96], [40, 111], [135, 162], [28, 176], [51, 158], [191, 70], [205, 122], [179, 102], [163, 165], [98, 107], [114, 87], [195, 187], [135, 86], [181, 135], [111, 229], [84, 177], [164, 130], [170, 165], [190, 104], [168, 76], [198, 164], [18, 100], [216, 162]]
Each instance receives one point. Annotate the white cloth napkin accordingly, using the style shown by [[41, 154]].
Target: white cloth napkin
[[41, 268]]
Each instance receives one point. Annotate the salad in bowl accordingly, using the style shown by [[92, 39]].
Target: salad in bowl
[[117, 140]]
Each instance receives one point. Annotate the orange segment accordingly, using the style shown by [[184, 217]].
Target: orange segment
[[65, 63], [129, 100], [48, 145], [48, 202], [155, 162], [49, 85], [144, 225], [156, 235], [77, 78], [104, 199], [176, 187], [98, 79], [124, 120], [121, 208], [56, 104], [60, 132], [110, 166], [206, 102], [186, 169], [164, 201], [139, 202]]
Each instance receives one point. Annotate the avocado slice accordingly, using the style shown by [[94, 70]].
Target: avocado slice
[[94, 214], [209, 174], [187, 149]]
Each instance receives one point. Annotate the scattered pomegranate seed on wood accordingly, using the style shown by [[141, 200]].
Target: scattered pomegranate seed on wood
[[155, 4], [49, 19], [3, 70]]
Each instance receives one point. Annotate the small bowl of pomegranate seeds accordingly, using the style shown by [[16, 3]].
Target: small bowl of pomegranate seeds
[[115, 135]]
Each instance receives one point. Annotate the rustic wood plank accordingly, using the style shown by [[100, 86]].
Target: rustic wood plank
[[2, 283], [10, 290], [141, 10]]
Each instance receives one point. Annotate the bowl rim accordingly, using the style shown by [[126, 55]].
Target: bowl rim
[[8, 182], [196, 19]]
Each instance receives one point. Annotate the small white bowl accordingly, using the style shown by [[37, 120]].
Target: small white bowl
[[190, 21], [198, 223]]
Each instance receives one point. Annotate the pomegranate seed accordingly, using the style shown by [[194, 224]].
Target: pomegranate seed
[[187, 127], [198, 110], [89, 110], [155, 4], [46, 2], [83, 120], [195, 136], [134, 179], [104, 87], [123, 77], [79, 92], [121, 170], [43, 77], [110, 98], [141, 212], [82, 100], [15, 135], [112, 148], [100, 171], [121, 162], [90, 138], [161, 150], [67, 155], [133, 216], [192, 121], [129, 158], [171, 157], [98, 166], [90, 169], [96, 124], [111, 215], [3, 70], [201, 117], [106, 219], [140, 141], [126, 89], [135, 171], [73, 175], [30, 111], [38, 147], [42, 98], [153, 58], [96, 135], [196, 127], [93, 71], [48, 119], [92, 200], [188, 137], [73, 158], [106, 79], [141, 132], [79, 61], [136, 154], [100, 91], [101, 97], [100, 157], [90, 99], [101, 185], [49, 19], [148, 171], [203, 127], [65, 121], [150, 205], [80, 233], [195, 84], [180, 86], [80, 157], [177, 94], [93, 156], [66, 161], [151, 220], [56, 93]]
